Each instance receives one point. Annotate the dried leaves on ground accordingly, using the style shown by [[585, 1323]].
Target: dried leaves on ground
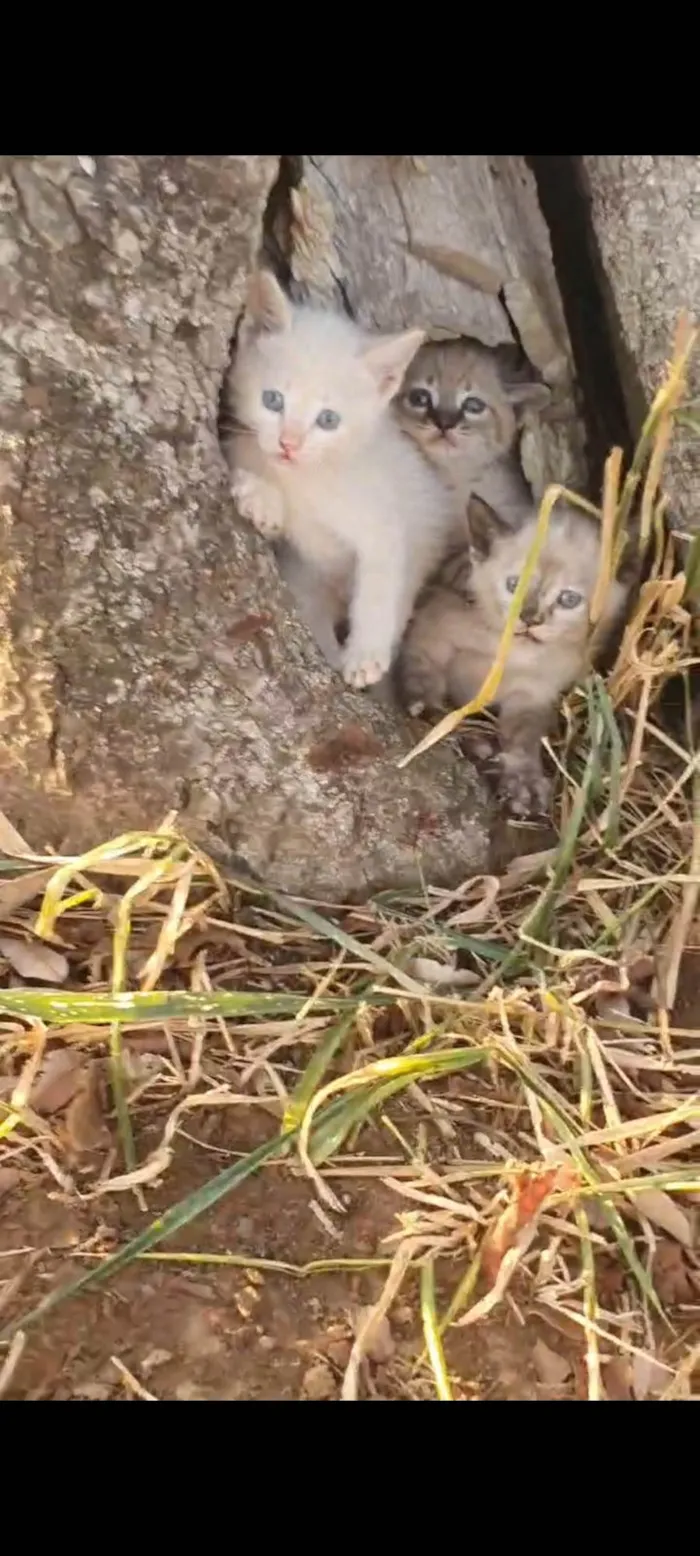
[[504, 1059]]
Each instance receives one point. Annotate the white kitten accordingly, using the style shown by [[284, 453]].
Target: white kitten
[[321, 468]]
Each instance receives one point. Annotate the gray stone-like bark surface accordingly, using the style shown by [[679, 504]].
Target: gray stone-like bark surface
[[439, 241], [150, 658], [148, 655], [646, 217]]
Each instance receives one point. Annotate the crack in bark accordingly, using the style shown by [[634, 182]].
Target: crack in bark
[[581, 286]]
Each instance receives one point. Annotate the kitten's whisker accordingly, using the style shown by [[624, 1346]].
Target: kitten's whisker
[[229, 423]]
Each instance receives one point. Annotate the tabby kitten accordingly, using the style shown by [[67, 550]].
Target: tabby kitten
[[452, 640], [320, 467], [461, 402]]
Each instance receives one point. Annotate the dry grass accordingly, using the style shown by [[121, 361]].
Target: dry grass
[[582, 1096]]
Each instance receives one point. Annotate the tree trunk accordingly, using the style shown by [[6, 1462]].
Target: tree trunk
[[150, 657], [645, 217]]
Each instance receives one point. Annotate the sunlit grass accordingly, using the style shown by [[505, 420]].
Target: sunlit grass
[[565, 1037]]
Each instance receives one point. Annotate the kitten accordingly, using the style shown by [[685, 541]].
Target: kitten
[[321, 468], [452, 640], [461, 402]]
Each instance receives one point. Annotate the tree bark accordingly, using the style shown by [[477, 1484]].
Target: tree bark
[[150, 658], [645, 216], [453, 243]]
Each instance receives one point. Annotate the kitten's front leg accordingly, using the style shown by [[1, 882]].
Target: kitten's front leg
[[317, 603], [524, 784], [422, 683], [259, 502], [376, 620]]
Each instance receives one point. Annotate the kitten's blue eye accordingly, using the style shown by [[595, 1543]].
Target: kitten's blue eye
[[273, 400], [569, 599], [419, 399], [328, 420], [473, 406], [512, 583]]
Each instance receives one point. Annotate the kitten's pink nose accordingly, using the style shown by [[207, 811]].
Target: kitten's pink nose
[[289, 445]]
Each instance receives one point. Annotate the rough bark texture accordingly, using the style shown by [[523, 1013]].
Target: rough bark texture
[[149, 658], [645, 213], [452, 243]]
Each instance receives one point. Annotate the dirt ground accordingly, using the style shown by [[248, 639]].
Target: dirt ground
[[211, 1332], [178, 1330]]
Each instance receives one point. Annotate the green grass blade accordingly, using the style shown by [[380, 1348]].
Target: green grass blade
[[119, 1093], [331, 931], [328, 1134], [194, 1205], [593, 1178], [431, 1331], [615, 759], [487, 950], [537, 922], [628, 1251], [172, 1221], [461, 1297], [687, 419], [59, 1008], [566, 1131], [692, 571], [315, 1071]]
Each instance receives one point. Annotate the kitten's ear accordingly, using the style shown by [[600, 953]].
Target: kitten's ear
[[484, 525], [519, 380], [267, 310], [388, 357]]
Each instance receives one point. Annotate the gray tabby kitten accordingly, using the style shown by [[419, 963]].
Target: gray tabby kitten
[[462, 403], [452, 640]]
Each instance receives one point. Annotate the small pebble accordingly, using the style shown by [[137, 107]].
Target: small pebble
[[381, 1344], [155, 1359], [92, 1391], [338, 1352], [403, 1316], [190, 1390], [318, 1382], [198, 1339]]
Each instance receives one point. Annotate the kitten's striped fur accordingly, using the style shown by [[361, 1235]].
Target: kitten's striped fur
[[461, 402], [453, 638]]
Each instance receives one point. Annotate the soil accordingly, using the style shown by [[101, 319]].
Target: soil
[[169, 1328], [192, 1332]]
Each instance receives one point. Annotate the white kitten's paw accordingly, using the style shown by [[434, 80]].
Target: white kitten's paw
[[259, 503], [360, 670], [415, 710]]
